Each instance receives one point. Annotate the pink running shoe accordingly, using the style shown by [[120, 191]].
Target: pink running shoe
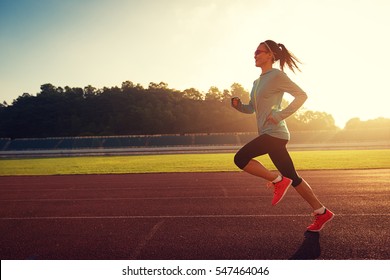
[[320, 220], [280, 189]]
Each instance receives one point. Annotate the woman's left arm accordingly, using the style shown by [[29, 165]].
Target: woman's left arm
[[286, 85]]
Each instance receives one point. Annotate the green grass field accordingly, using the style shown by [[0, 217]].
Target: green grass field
[[304, 160]]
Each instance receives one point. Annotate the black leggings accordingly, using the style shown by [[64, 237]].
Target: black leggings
[[277, 151]]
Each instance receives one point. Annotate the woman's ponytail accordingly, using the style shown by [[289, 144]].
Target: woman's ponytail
[[281, 53]]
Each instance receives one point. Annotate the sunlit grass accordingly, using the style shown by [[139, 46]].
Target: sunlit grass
[[303, 160]]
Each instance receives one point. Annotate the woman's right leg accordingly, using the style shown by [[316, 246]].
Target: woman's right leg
[[261, 145], [244, 158], [283, 162]]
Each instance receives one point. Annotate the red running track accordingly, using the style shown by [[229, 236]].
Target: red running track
[[189, 216]]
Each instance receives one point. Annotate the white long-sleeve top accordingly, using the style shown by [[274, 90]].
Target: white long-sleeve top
[[266, 98]]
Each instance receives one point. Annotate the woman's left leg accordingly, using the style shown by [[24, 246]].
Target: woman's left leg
[[307, 194], [282, 160]]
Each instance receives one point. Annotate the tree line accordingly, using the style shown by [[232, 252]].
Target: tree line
[[134, 110]]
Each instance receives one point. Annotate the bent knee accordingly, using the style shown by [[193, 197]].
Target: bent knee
[[240, 160]]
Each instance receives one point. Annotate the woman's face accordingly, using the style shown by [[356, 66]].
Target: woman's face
[[262, 55]]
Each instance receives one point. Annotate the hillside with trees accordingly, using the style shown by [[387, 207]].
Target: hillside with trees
[[134, 110]]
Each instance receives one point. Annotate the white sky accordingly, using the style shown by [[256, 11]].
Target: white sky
[[344, 45]]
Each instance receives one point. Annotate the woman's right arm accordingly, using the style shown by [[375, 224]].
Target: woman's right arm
[[243, 108]]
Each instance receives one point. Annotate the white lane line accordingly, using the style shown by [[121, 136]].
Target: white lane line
[[145, 240], [172, 198], [186, 217], [130, 198]]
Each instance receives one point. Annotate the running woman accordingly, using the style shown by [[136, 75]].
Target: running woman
[[265, 101]]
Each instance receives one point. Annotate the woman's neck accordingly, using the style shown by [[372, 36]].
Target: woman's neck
[[266, 68]]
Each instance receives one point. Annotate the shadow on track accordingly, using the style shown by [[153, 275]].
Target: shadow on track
[[310, 248]]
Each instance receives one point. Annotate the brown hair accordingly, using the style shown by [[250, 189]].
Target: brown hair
[[280, 52]]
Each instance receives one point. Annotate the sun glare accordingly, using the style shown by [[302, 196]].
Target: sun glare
[[201, 44]]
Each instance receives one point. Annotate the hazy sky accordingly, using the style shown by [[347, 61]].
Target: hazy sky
[[344, 45]]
